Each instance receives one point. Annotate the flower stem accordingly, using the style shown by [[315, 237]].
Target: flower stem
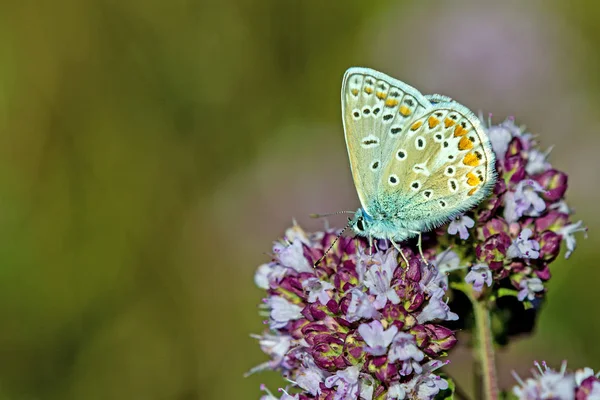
[[485, 365]]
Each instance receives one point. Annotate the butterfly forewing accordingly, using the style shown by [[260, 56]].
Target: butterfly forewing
[[377, 110]]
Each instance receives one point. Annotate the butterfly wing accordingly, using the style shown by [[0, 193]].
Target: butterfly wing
[[376, 110], [441, 165]]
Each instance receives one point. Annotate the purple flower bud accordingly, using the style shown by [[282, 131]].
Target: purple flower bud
[[394, 314], [555, 184], [294, 328], [354, 349], [514, 148], [489, 208], [321, 312], [493, 251], [345, 279], [588, 384], [493, 227], [515, 169], [290, 288], [413, 272], [550, 245], [553, 221], [441, 339], [543, 272], [314, 332], [328, 353], [382, 368]]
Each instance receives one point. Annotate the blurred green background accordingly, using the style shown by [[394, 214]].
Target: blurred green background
[[151, 151]]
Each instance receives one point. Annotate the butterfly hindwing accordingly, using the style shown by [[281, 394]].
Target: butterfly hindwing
[[444, 164], [376, 109]]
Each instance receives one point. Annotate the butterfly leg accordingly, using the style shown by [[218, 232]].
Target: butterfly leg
[[419, 242], [399, 251]]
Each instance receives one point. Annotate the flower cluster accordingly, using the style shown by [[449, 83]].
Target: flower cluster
[[362, 324], [550, 384], [513, 236]]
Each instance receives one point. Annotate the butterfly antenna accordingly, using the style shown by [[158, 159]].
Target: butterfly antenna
[[333, 243], [333, 213]]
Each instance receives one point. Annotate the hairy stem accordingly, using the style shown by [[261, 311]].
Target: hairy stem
[[485, 364]]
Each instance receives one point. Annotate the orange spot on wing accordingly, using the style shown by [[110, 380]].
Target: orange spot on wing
[[460, 131], [448, 123], [472, 179], [416, 125], [381, 95], [354, 92], [391, 102], [433, 122], [404, 111], [368, 90], [465, 144], [471, 192], [471, 160]]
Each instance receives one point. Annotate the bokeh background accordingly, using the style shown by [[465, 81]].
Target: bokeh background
[[151, 151]]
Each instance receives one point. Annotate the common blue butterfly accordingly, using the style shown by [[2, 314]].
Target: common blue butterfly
[[417, 161]]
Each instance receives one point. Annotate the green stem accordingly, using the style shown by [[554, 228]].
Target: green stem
[[485, 367]]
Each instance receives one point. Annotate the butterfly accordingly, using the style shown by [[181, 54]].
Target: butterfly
[[418, 161]]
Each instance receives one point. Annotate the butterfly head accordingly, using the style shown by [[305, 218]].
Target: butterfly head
[[361, 223]]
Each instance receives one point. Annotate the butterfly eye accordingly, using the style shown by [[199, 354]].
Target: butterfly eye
[[360, 224]]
